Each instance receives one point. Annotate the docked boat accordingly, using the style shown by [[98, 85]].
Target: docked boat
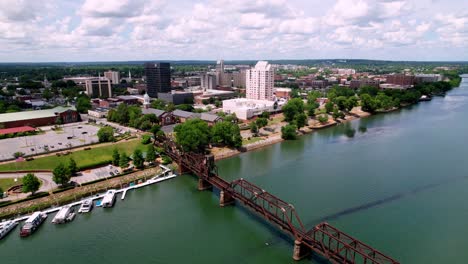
[[71, 216], [6, 227], [109, 199], [425, 98], [63, 215], [86, 206], [32, 223]]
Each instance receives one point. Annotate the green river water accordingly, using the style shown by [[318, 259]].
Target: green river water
[[396, 181]]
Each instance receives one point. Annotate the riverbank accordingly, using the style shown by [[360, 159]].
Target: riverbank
[[312, 126], [274, 138], [75, 194]]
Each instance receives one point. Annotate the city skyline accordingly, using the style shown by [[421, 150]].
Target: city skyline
[[51, 31]]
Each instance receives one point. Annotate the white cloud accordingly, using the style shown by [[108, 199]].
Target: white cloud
[[242, 29]]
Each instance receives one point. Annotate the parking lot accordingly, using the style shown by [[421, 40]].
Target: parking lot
[[96, 174], [70, 135]]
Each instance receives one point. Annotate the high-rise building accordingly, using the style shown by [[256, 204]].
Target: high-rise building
[[114, 76], [220, 66], [158, 78], [238, 79], [99, 87], [260, 81], [208, 81]]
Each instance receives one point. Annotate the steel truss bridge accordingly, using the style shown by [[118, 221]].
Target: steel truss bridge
[[324, 239]]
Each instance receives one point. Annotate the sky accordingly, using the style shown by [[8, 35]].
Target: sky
[[123, 30]]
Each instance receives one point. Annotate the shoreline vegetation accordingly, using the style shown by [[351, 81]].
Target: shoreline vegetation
[[374, 102], [343, 105]]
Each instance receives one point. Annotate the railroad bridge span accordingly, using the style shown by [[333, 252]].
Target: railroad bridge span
[[324, 239]]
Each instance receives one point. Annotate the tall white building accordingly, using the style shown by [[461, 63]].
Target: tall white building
[[114, 76], [260, 81]]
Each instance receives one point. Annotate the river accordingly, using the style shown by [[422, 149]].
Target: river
[[397, 181]]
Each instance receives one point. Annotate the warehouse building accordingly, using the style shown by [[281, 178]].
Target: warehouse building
[[57, 115]]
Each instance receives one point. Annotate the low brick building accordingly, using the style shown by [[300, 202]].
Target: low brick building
[[62, 115]]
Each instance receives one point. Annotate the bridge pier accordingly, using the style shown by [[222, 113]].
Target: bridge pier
[[300, 250], [181, 169], [204, 185], [225, 199]]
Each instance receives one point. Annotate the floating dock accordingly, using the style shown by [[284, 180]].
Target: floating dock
[[156, 179]]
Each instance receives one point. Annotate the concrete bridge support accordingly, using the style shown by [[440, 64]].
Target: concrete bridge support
[[204, 185], [225, 199], [300, 250]]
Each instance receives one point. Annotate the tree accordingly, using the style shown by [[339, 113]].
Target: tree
[[226, 133], [337, 113], [312, 97], [72, 167], [83, 104], [288, 132], [47, 94], [292, 108], [106, 134], [150, 153], [18, 154], [370, 90], [145, 139], [311, 107], [115, 157], [61, 174], [170, 107], [193, 135], [351, 102], [341, 102], [123, 163], [138, 159], [254, 128], [265, 114], [329, 107], [300, 120], [261, 122], [158, 104], [386, 102], [30, 183], [155, 129], [368, 103], [323, 118], [186, 107]]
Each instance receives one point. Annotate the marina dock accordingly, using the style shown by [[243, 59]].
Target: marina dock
[[166, 174]]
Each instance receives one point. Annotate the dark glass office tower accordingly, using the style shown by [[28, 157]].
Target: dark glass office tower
[[158, 78]]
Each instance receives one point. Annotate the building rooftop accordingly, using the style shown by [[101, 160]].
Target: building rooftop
[[184, 114], [16, 130], [27, 115], [209, 117], [157, 112], [263, 65]]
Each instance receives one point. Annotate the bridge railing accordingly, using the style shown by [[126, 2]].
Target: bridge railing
[[324, 239], [342, 248], [271, 207]]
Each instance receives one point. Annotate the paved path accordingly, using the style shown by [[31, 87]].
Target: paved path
[[46, 178]]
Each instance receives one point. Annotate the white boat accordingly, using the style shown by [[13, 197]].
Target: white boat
[[32, 223], [86, 206], [71, 216], [62, 215], [6, 227], [109, 199]]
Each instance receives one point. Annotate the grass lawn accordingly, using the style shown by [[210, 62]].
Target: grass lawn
[[83, 157], [276, 120], [251, 140], [7, 183]]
